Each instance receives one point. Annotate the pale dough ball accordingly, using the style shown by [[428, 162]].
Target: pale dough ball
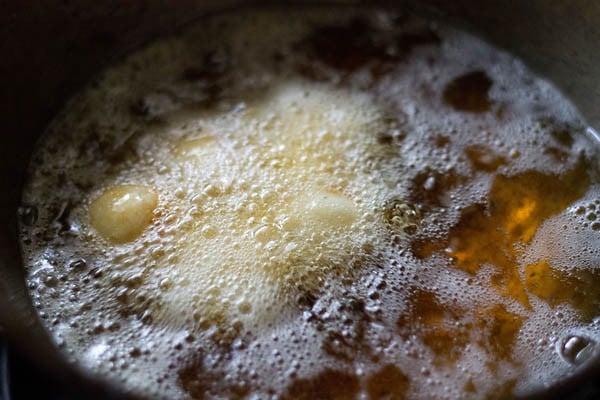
[[122, 213]]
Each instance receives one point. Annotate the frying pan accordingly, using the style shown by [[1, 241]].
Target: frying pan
[[49, 48]]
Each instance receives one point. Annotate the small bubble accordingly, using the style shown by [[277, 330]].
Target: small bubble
[[96, 273], [114, 326], [78, 264], [245, 307], [577, 349], [28, 215], [50, 280]]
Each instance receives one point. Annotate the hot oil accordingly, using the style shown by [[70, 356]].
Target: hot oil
[[347, 204]]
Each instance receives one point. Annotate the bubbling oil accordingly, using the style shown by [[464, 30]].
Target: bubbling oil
[[334, 203]]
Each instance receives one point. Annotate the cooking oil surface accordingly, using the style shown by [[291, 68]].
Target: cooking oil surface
[[328, 203]]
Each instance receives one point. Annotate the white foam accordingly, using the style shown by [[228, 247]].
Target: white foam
[[280, 246]]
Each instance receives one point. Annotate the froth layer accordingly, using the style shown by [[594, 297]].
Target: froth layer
[[262, 204], [318, 203]]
